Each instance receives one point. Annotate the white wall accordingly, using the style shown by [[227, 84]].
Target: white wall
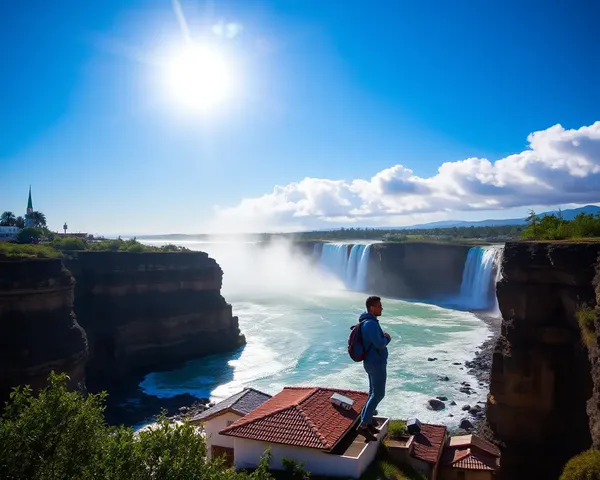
[[247, 454], [212, 428]]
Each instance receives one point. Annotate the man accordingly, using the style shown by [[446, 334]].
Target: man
[[375, 342]]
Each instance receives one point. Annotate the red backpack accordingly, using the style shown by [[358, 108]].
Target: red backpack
[[356, 347]]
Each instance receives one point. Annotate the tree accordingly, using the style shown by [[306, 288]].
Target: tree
[[532, 221], [20, 222], [62, 434], [29, 235], [585, 466], [38, 219], [7, 219]]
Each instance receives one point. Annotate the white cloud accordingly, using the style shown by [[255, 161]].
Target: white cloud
[[559, 167], [228, 30]]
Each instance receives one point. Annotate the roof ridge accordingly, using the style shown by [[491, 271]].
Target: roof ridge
[[312, 426], [257, 391], [461, 456], [242, 422]]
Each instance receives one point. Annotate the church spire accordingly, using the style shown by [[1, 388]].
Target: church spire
[[28, 219], [29, 202]]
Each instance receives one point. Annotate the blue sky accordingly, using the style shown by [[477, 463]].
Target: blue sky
[[328, 97]]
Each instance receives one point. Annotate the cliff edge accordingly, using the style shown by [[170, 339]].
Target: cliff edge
[[39, 330], [138, 312], [541, 378]]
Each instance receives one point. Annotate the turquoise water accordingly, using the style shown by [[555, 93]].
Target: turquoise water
[[297, 319]]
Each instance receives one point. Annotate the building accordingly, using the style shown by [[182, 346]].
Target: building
[[430, 450], [313, 425], [469, 457], [224, 414], [28, 219], [8, 233]]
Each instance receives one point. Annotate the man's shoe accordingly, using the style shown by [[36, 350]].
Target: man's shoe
[[365, 431], [373, 429]]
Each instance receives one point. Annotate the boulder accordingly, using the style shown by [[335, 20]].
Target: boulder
[[435, 404], [465, 424]]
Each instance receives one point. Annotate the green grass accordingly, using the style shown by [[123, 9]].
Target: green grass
[[585, 319], [397, 429], [14, 251]]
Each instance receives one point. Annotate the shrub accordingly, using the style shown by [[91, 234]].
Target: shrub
[[585, 466], [12, 251], [69, 243], [397, 429], [62, 434], [29, 235], [585, 319]]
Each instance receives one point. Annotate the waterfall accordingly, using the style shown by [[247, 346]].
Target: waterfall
[[351, 268], [481, 271], [334, 258]]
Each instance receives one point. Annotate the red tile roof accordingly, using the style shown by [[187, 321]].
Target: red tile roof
[[463, 441], [469, 459], [428, 443], [300, 416]]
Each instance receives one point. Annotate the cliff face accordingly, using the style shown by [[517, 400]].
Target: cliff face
[[416, 270], [593, 406], [39, 330], [540, 380], [150, 311]]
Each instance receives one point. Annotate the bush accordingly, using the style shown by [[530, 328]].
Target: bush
[[397, 429], [62, 434], [29, 235], [585, 319], [585, 466], [69, 243], [13, 251]]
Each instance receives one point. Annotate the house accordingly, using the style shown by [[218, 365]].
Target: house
[[8, 233], [426, 447], [313, 425], [469, 457], [224, 414]]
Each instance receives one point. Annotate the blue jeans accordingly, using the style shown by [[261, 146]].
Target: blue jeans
[[377, 378]]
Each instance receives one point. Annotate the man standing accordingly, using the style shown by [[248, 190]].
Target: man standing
[[375, 342]]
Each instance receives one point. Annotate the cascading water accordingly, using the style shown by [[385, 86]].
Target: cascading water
[[349, 267], [477, 291]]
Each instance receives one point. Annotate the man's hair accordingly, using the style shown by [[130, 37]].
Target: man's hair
[[371, 301]]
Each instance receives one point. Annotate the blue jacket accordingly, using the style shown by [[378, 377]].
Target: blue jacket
[[373, 340]]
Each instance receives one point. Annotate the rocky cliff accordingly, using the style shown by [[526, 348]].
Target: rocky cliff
[[38, 330], [150, 311], [108, 316], [541, 379], [416, 270]]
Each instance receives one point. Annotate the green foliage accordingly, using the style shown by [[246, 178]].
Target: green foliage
[[294, 470], [20, 222], [62, 434], [29, 235], [554, 227], [585, 466], [397, 429], [69, 243], [8, 219], [585, 319], [385, 467], [453, 234], [38, 219], [15, 251]]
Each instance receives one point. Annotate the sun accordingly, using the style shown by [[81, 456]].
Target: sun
[[199, 77]]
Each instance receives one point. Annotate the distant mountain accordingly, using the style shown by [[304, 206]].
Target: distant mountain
[[569, 214]]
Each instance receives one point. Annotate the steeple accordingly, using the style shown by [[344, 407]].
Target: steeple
[[28, 220], [29, 202]]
